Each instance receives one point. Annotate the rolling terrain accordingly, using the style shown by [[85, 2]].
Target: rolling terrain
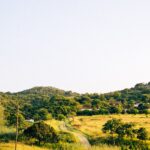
[[77, 119]]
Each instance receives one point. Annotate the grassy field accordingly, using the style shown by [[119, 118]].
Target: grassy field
[[89, 125], [92, 125], [55, 124], [10, 146]]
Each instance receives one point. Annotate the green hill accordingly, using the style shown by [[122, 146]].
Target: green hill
[[50, 91], [57, 102]]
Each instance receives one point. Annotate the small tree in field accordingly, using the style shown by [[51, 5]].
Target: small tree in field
[[111, 126], [125, 129], [41, 132], [142, 134]]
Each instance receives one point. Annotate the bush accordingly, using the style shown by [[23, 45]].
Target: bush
[[66, 137], [61, 117], [42, 133]]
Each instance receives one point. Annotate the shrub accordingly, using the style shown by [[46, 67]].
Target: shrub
[[61, 117], [41, 132], [66, 137]]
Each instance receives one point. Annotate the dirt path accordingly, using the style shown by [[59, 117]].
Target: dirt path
[[82, 139]]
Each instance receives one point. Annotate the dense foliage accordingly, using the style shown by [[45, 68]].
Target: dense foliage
[[27, 110], [42, 133], [42, 103], [125, 135], [124, 131]]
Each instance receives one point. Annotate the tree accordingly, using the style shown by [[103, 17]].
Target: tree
[[133, 111], [41, 132], [115, 109], [61, 105], [61, 117], [125, 129], [84, 99], [96, 103], [14, 117], [111, 126], [102, 97], [42, 114], [11, 121], [142, 134]]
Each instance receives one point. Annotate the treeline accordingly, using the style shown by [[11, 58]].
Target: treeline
[[43, 103], [132, 101]]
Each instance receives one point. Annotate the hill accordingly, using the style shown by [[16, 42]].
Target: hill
[[48, 103], [56, 102], [49, 91]]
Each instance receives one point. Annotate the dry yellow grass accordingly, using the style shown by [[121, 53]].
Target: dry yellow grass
[[10, 146], [105, 147], [58, 126], [92, 125], [55, 124]]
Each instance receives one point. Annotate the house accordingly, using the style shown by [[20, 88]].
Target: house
[[30, 120], [136, 104]]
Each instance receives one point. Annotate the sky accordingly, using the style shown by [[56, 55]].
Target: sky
[[79, 45]]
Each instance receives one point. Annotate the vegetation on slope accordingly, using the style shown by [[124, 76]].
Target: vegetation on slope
[[48, 103]]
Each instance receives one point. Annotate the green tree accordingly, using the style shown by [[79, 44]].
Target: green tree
[[111, 126], [61, 117], [133, 111], [125, 129], [96, 103], [142, 134], [115, 109], [14, 116], [42, 114], [42, 133], [11, 121]]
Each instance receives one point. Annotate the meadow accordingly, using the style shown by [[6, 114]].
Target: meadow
[[10, 146], [92, 125], [59, 126], [81, 126]]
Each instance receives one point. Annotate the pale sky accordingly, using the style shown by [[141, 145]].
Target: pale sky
[[78, 45]]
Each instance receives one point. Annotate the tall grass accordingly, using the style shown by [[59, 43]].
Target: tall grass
[[104, 147], [10, 146], [92, 125]]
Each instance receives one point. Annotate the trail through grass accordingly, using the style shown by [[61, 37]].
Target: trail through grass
[[62, 126]]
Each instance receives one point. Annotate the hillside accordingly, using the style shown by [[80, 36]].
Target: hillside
[[57, 102], [50, 91], [72, 114]]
